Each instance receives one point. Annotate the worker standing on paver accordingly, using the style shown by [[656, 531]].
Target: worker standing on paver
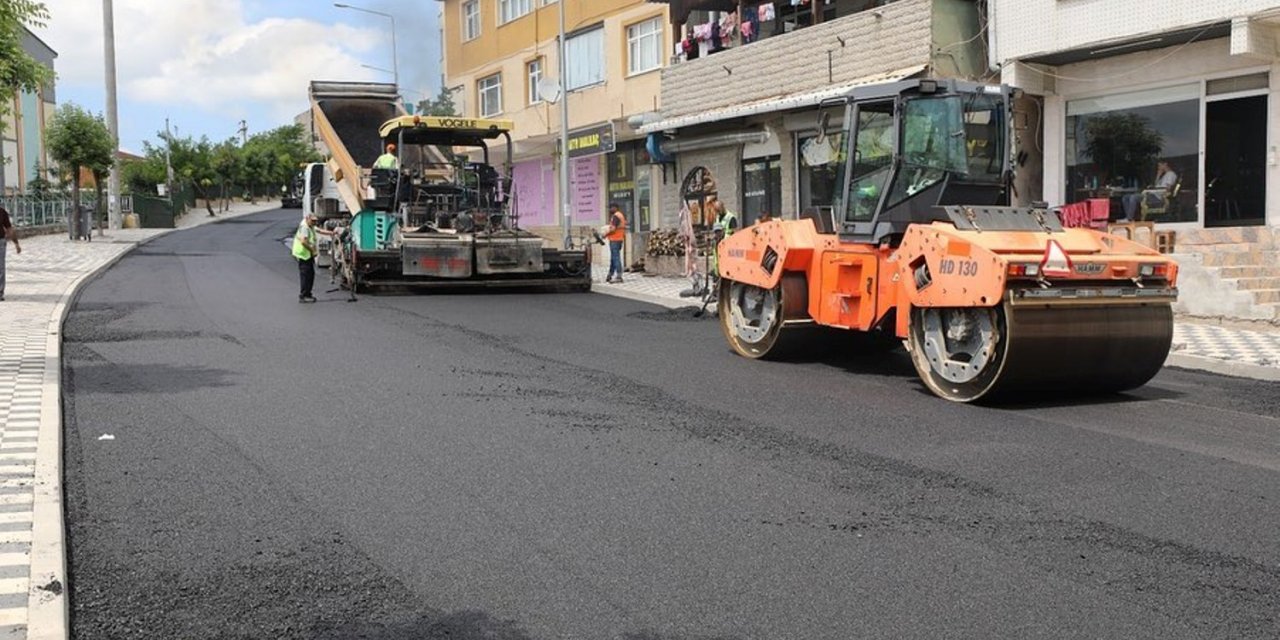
[[10, 235], [388, 160], [304, 251]]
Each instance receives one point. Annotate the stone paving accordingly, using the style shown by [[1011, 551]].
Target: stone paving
[[40, 282]]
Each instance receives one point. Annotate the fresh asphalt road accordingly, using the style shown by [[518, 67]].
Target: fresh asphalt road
[[512, 466]]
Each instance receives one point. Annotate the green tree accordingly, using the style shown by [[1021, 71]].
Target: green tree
[[77, 139], [441, 105], [227, 166], [1122, 144], [18, 70], [270, 159]]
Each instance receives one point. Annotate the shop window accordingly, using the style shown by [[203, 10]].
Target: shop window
[[1129, 147], [761, 189]]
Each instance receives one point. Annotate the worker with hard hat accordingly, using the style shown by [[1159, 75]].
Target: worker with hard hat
[[388, 160], [304, 251]]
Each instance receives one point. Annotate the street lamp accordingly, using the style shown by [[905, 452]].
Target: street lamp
[[369, 66], [395, 62]]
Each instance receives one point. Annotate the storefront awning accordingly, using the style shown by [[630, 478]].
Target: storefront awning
[[680, 9], [778, 103]]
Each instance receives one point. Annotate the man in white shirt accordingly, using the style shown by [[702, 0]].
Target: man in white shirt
[[1155, 195]]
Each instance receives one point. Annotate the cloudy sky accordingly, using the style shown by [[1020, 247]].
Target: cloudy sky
[[207, 64]]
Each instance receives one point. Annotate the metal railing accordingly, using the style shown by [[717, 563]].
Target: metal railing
[[35, 211]]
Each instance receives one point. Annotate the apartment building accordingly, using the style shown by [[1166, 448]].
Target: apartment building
[[499, 56], [1135, 89], [741, 102], [22, 148]]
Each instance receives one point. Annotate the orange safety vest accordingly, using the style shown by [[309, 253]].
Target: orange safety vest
[[619, 232]]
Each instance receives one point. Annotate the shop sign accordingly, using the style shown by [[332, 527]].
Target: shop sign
[[591, 141]]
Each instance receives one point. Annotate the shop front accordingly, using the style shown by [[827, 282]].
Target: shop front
[[1180, 149]]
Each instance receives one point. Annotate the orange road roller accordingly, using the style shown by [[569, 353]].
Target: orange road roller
[[992, 300]]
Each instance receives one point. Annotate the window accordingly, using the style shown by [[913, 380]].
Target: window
[[1116, 144], [534, 69], [470, 20], [584, 53], [644, 46], [761, 188], [509, 10], [490, 92]]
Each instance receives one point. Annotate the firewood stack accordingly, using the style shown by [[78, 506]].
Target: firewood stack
[[665, 242]]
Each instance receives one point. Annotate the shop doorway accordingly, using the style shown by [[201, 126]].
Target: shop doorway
[[1235, 162]]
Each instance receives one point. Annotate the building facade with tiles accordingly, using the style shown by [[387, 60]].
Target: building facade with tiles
[[740, 113], [496, 52], [22, 149], [1127, 84]]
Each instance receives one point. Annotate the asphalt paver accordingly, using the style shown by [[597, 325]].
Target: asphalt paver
[[561, 465]]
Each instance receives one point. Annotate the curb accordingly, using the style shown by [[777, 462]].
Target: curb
[[48, 599], [1222, 367], [650, 298]]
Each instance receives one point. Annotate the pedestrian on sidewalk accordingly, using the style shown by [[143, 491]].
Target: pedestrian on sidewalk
[[10, 235], [304, 251], [616, 235]]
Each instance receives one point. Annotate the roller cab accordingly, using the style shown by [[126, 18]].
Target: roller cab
[[991, 300]]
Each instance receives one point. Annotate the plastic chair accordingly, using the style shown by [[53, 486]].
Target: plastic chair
[[1099, 213]]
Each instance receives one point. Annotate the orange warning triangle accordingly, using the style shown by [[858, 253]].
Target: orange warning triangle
[[1055, 262]]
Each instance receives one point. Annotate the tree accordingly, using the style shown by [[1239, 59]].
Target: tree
[[1122, 144], [227, 166], [18, 70], [77, 139], [272, 158], [441, 105]]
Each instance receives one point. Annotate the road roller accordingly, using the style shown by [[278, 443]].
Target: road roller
[[991, 300]]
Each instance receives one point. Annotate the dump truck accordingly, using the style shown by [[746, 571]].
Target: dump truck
[[923, 246], [448, 220]]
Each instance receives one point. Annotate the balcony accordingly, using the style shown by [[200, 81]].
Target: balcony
[[882, 37]]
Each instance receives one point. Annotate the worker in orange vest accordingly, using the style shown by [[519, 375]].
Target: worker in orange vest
[[617, 233]]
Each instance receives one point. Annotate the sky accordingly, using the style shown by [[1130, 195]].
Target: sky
[[208, 64]]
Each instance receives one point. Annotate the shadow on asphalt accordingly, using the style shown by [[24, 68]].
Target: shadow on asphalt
[[462, 625], [465, 625], [148, 379]]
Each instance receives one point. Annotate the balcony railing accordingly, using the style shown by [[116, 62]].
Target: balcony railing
[[710, 32]]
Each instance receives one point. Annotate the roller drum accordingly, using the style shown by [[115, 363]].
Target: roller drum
[[969, 354]]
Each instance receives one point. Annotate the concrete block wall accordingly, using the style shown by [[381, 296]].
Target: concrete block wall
[[892, 37]]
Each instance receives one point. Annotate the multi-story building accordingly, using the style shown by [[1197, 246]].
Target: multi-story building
[[742, 103], [22, 148], [501, 60], [1137, 88]]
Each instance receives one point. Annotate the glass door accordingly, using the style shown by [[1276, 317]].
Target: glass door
[[1235, 159]]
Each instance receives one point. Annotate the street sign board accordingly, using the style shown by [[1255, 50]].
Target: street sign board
[[591, 141]]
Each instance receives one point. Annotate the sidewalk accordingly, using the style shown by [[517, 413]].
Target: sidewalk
[[41, 281], [1249, 353]]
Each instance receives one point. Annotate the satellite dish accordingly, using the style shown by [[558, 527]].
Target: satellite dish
[[549, 90]]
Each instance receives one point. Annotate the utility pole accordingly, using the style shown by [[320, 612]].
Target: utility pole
[[244, 132], [113, 120], [168, 163], [566, 208]]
